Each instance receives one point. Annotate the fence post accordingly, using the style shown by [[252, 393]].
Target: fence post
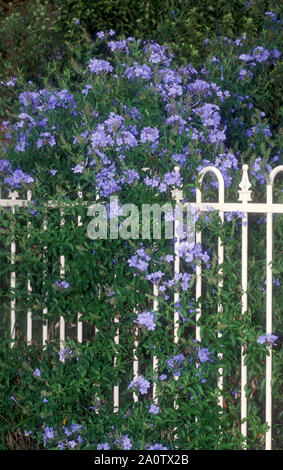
[[13, 196], [62, 319], [244, 197], [155, 359], [220, 253], [45, 309], [269, 257], [29, 289], [79, 322]]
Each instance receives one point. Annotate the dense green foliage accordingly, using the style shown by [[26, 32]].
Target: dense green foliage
[[183, 23], [73, 124], [35, 35]]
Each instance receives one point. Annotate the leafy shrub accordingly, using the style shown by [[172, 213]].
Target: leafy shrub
[[96, 131], [30, 37], [185, 24]]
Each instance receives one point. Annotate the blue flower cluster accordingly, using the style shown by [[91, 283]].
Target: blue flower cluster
[[146, 319], [192, 108], [49, 434], [140, 384], [14, 179], [268, 338]]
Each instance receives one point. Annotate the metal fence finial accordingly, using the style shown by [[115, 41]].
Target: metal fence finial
[[245, 185]]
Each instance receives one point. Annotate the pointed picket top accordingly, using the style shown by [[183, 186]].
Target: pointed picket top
[[245, 185], [13, 195], [177, 195]]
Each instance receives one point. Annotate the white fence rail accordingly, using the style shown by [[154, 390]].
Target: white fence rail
[[245, 206]]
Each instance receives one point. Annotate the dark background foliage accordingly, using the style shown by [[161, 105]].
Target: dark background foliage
[[36, 33]]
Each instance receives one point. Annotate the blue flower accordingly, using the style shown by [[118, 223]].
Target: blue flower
[[140, 384], [75, 427], [246, 57], [97, 65], [139, 71], [118, 46], [146, 319], [163, 377], [64, 284], [65, 353], [61, 445], [157, 447], [268, 338], [18, 178], [104, 446], [46, 138], [154, 409], [204, 355], [86, 89], [149, 134], [72, 444], [126, 442], [78, 169], [5, 165], [66, 431], [48, 434]]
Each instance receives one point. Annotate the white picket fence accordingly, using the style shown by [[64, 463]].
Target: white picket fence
[[245, 206]]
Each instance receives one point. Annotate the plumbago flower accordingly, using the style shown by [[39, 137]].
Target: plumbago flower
[[140, 384], [48, 434], [176, 364], [268, 338], [63, 284], [140, 260], [154, 409], [146, 319], [66, 353], [17, 178], [104, 446], [37, 372], [96, 66], [63, 439], [124, 442], [204, 355], [157, 447]]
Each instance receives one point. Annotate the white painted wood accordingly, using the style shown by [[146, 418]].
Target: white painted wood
[[13, 196], [244, 197], [255, 208], [135, 361], [79, 322], [29, 289], [62, 320], [252, 208], [45, 309], [155, 359], [116, 387], [269, 259], [244, 310]]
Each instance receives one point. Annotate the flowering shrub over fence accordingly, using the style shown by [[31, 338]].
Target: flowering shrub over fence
[[119, 126]]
